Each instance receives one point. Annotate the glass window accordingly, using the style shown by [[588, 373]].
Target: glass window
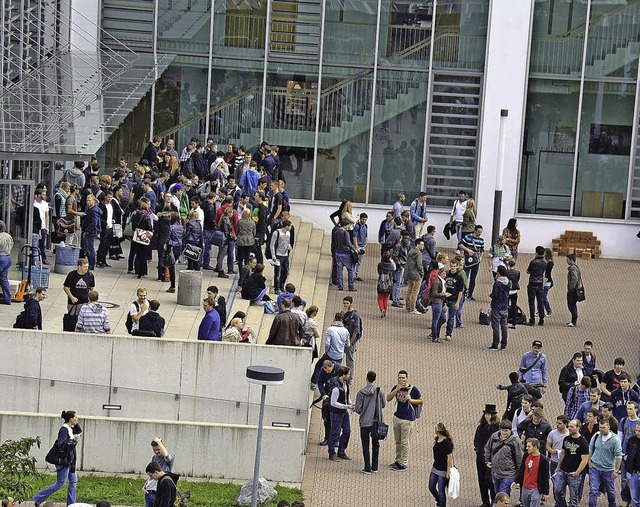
[[461, 34], [349, 32], [405, 33], [343, 139], [184, 26], [604, 149], [239, 28], [549, 147], [614, 39], [398, 136], [558, 37]]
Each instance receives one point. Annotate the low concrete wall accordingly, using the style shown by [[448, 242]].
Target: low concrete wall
[[182, 380], [201, 449]]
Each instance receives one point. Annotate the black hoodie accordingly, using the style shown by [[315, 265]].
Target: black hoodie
[[166, 492]]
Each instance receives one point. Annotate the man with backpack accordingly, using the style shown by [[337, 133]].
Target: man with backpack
[[503, 455], [418, 211], [31, 316], [413, 273], [369, 405], [165, 461], [166, 485], [408, 408], [137, 310]]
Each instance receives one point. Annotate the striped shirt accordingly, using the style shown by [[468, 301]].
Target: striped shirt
[[93, 318]]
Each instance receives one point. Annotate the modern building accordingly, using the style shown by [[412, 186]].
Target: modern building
[[365, 98]]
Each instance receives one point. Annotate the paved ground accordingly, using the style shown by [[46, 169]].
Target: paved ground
[[459, 377]]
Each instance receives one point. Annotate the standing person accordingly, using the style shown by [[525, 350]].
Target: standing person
[[68, 436], [141, 219], [473, 247], [165, 461], [533, 367], [577, 396], [369, 404], [152, 323], [107, 220], [193, 237], [572, 466], [457, 214], [500, 309], [454, 283], [548, 280], [535, 287], [91, 229], [488, 425], [605, 460], [554, 441], [33, 309], [339, 404], [502, 455], [611, 379], [588, 359], [574, 282], [385, 227], [469, 218], [626, 430], [336, 339], [325, 381], [209, 329], [438, 295], [399, 256], [138, 308], [407, 398], [514, 277], [77, 285], [512, 236], [280, 248], [166, 485], [413, 273], [418, 211], [632, 463], [533, 476], [93, 317], [343, 247], [6, 244], [41, 222], [353, 323], [174, 242], [442, 462], [622, 395], [246, 233], [398, 206], [360, 234], [386, 270], [571, 375]]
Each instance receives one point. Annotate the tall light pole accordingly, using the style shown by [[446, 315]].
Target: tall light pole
[[264, 376], [497, 200]]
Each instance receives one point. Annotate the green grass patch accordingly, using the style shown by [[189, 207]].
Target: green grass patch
[[128, 491]]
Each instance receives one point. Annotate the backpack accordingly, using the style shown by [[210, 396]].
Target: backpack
[[129, 323], [384, 284], [21, 320]]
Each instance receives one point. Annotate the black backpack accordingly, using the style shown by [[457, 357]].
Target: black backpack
[[21, 320], [129, 323]]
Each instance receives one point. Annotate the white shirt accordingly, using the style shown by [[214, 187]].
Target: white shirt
[[133, 310], [200, 212], [43, 209], [109, 208], [458, 210]]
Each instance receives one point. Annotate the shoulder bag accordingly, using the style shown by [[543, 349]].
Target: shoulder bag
[[192, 252], [417, 409], [525, 370], [580, 295], [380, 429], [453, 489]]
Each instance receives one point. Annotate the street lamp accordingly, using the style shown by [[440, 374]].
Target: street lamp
[[264, 376]]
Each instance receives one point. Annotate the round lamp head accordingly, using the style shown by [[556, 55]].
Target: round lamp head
[[265, 375]]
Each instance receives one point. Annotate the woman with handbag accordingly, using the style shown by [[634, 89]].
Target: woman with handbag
[[442, 462], [226, 227], [193, 242], [163, 211], [71, 222], [115, 248], [369, 404], [173, 248], [142, 225], [63, 455]]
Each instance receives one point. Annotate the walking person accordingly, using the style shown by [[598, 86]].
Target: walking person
[[91, 229], [280, 249], [533, 476], [386, 270], [68, 436], [574, 282], [6, 245], [572, 466], [502, 455], [488, 425], [514, 277], [605, 460], [442, 462], [418, 212], [457, 213], [438, 295], [369, 404], [548, 280], [407, 398], [246, 234], [499, 309]]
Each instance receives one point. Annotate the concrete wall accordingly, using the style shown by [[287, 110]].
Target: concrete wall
[[179, 380], [201, 449]]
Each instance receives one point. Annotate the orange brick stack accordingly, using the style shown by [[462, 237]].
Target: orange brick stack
[[584, 244]]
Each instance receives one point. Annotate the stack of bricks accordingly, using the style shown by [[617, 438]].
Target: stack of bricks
[[584, 244]]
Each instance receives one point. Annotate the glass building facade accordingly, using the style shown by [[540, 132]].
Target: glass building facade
[[580, 152], [359, 96]]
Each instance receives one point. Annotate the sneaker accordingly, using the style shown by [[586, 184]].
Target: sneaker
[[208, 268], [438, 340], [549, 314], [512, 326], [232, 272], [365, 471], [490, 347], [171, 289], [324, 443], [334, 458], [461, 326], [502, 349], [45, 262], [396, 305], [222, 274], [358, 279], [471, 298], [448, 337], [415, 312], [569, 324], [531, 323], [374, 471], [395, 464], [399, 468], [344, 457], [541, 323]]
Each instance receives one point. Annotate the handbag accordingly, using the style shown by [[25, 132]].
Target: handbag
[[484, 318], [580, 295], [354, 256], [128, 228], [447, 231], [168, 258], [217, 238], [69, 322], [142, 236], [192, 252], [453, 489], [52, 455], [67, 225], [380, 429], [269, 308], [117, 230]]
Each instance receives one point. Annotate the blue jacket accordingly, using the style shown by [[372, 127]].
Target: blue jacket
[[500, 294], [537, 375], [34, 313], [418, 211], [92, 222], [210, 327]]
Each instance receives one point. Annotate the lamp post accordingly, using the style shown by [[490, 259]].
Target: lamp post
[[264, 376], [497, 201]]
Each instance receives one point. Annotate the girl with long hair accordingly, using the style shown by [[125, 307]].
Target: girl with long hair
[[386, 270], [489, 423], [512, 236], [442, 462]]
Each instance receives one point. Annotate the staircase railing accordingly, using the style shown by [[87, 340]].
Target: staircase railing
[[607, 33]]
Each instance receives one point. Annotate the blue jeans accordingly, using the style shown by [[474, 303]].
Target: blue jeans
[[560, 481], [438, 318], [88, 243], [595, 478], [634, 487], [545, 298], [62, 475], [281, 272], [459, 322], [5, 264], [502, 485], [344, 261], [42, 244], [366, 435], [397, 285], [340, 430], [452, 312], [150, 498], [206, 251], [472, 273], [438, 488], [534, 294]]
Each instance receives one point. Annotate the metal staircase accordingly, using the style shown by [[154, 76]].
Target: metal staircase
[[453, 135], [65, 96], [295, 29]]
